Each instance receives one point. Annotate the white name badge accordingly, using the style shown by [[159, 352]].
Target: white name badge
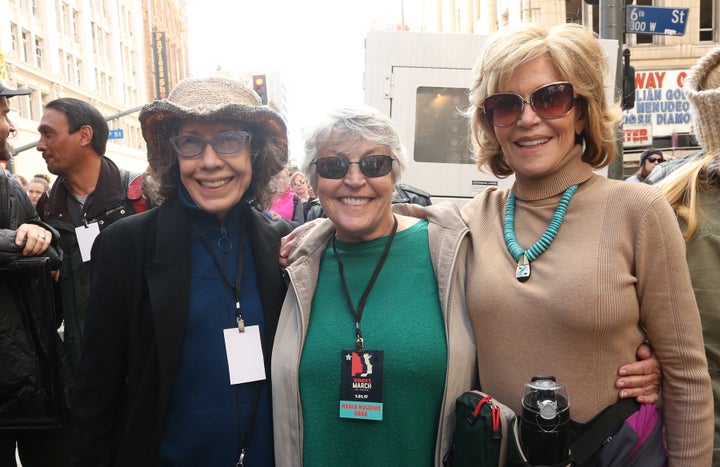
[[86, 235], [244, 354]]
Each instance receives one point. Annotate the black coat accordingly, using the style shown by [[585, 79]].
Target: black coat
[[135, 325], [34, 378]]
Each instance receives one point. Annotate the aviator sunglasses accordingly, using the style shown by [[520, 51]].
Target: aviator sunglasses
[[370, 166], [227, 143], [655, 159], [554, 100]]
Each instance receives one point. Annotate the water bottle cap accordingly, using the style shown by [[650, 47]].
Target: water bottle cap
[[548, 409]]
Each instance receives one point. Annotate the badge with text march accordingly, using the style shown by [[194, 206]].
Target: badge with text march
[[361, 384]]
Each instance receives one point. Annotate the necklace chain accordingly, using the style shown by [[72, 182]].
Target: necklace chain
[[524, 257]]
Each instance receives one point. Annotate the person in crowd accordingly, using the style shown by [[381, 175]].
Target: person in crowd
[[693, 190], [300, 186], [185, 298], [374, 278], [35, 446], [36, 188], [572, 269], [649, 159], [285, 203], [302, 190], [90, 193], [44, 176], [22, 181]]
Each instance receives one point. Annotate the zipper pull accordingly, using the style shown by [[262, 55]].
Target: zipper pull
[[496, 432]]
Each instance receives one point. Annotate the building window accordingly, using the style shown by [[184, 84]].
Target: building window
[[707, 20], [21, 103], [13, 37], [78, 72], [33, 108], [75, 26], [69, 68], [39, 52], [35, 8], [25, 46], [573, 11]]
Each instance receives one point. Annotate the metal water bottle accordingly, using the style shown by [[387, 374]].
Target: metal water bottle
[[544, 425]]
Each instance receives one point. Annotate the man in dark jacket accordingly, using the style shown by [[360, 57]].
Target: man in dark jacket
[[23, 395], [90, 193]]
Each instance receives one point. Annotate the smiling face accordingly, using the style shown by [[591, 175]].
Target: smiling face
[[359, 206], [534, 146], [215, 182]]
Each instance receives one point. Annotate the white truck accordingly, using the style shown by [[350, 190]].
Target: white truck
[[421, 81]]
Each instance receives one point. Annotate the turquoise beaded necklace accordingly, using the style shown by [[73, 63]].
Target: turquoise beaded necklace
[[525, 257]]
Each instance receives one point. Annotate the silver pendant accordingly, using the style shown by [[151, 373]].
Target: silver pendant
[[522, 272]]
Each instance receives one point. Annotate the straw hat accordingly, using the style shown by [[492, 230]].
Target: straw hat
[[208, 99], [702, 88]]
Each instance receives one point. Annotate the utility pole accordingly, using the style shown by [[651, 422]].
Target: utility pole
[[612, 26]]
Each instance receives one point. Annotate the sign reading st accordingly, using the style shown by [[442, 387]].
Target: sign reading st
[[656, 20], [115, 134]]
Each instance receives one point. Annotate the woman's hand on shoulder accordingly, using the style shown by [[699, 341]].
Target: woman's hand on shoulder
[[290, 241]]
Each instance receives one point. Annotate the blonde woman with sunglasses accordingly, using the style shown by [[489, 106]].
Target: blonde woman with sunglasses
[[570, 271], [299, 185]]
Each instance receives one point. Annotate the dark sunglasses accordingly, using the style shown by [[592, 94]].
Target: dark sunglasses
[[227, 143], [554, 100], [655, 159], [370, 166]]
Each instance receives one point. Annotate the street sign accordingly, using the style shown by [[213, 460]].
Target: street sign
[[656, 20], [115, 134]]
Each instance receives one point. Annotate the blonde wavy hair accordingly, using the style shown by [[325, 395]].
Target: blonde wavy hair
[[683, 186], [577, 55]]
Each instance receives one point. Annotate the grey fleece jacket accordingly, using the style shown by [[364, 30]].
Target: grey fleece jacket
[[448, 237]]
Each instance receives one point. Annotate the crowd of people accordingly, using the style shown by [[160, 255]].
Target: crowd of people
[[207, 321]]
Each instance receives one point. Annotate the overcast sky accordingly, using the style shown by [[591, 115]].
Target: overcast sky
[[317, 46]]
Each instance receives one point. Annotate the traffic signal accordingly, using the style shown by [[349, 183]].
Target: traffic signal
[[628, 97], [260, 87]]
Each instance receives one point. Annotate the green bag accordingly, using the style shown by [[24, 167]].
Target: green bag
[[486, 433]]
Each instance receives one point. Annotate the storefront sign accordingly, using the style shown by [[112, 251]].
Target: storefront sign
[[660, 103]]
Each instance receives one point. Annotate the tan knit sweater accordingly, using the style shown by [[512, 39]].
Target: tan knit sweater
[[614, 275]]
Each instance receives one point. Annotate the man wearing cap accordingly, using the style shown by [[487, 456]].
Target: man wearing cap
[[185, 298], [18, 359], [90, 193]]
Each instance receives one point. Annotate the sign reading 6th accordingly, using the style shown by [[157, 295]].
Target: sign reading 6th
[[656, 20]]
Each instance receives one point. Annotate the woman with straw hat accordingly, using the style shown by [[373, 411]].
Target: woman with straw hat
[[185, 298]]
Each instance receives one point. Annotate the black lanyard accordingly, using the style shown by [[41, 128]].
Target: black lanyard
[[357, 314], [225, 245]]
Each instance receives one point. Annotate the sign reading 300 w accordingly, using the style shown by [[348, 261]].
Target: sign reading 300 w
[[656, 20]]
